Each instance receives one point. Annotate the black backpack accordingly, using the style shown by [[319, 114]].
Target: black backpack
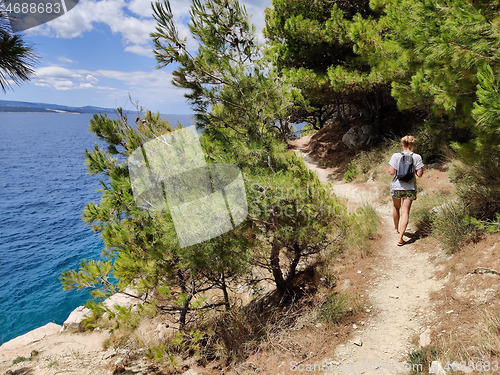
[[406, 169]]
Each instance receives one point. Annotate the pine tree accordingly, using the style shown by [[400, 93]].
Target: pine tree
[[230, 84], [441, 45], [16, 57], [318, 46], [239, 99], [141, 247]]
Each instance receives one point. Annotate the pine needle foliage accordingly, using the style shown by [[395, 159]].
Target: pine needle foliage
[[17, 58], [240, 103], [230, 84], [141, 247]]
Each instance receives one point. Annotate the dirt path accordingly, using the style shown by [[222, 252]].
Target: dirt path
[[401, 281]]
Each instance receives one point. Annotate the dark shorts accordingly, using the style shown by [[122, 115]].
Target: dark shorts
[[408, 194]]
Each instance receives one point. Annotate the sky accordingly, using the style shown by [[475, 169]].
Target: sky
[[100, 53]]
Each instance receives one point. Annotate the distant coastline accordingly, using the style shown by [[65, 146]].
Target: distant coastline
[[36, 110], [16, 106], [31, 107], [10, 106]]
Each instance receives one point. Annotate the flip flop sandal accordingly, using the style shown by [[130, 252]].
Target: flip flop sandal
[[401, 243]]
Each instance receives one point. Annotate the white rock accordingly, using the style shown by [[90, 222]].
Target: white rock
[[425, 338], [438, 210], [190, 372], [122, 299], [32, 336], [74, 321]]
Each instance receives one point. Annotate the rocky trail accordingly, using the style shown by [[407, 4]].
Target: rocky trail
[[401, 281]]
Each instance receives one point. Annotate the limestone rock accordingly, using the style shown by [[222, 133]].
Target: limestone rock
[[165, 330], [32, 336], [438, 210], [357, 137], [425, 338], [190, 372], [74, 321], [123, 299]]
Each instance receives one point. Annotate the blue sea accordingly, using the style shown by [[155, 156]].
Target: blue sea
[[44, 187]]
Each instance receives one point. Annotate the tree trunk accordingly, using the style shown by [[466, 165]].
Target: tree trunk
[[378, 112], [276, 269], [293, 265], [274, 259], [185, 305], [182, 315], [224, 291]]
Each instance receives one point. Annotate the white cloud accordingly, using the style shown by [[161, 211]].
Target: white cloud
[[65, 60], [140, 50], [56, 72], [90, 78], [149, 85], [61, 79], [256, 11], [63, 85], [140, 7], [133, 30], [111, 88], [132, 19]]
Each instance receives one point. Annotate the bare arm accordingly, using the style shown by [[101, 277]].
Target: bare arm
[[391, 171], [420, 172]]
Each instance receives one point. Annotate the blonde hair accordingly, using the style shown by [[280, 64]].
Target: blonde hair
[[407, 141]]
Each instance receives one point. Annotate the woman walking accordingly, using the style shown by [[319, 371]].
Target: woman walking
[[404, 166]]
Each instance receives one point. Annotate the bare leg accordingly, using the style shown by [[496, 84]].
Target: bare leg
[[395, 213], [405, 216]]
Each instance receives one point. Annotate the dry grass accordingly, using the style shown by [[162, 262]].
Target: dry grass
[[309, 332], [488, 337], [467, 321], [363, 227]]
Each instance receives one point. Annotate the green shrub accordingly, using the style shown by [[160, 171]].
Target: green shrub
[[352, 172], [422, 215], [447, 220], [307, 130], [454, 228], [420, 360], [20, 359], [362, 226], [336, 308], [478, 187]]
